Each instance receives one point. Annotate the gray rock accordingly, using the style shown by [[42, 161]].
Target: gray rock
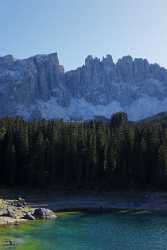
[[3, 212], [9, 243], [20, 203], [43, 213], [28, 85], [11, 213], [24, 82], [29, 216]]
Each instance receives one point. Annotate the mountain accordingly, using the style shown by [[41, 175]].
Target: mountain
[[38, 87], [160, 118]]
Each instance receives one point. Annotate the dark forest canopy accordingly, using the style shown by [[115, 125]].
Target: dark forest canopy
[[89, 155]]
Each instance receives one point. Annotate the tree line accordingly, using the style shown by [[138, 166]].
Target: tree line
[[90, 155]]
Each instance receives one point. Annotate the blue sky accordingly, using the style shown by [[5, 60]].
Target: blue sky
[[77, 28]]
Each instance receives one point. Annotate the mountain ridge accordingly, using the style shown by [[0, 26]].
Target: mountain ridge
[[40, 87]]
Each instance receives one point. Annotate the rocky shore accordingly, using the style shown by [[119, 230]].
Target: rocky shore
[[36, 206], [18, 211]]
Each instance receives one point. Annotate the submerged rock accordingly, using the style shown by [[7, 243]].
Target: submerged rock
[[43, 213], [9, 243]]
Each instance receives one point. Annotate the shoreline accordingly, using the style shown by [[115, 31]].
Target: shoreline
[[62, 202]]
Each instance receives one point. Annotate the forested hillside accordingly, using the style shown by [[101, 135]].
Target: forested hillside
[[90, 155]]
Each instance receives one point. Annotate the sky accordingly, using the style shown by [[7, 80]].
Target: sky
[[78, 28]]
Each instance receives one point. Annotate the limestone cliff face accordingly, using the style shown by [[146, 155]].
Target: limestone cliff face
[[101, 82], [39, 87], [24, 82]]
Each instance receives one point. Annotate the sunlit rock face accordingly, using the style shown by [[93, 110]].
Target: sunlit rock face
[[38, 87], [25, 82]]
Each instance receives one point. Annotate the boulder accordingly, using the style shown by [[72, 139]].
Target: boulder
[[43, 213], [11, 213], [20, 203], [9, 243], [29, 216], [4, 212]]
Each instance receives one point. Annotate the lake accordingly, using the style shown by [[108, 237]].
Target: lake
[[119, 230]]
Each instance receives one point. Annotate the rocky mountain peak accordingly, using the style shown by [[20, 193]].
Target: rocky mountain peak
[[7, 60], [50, 58], [108, 64], [108, 60], [39, 87], [125, 60], [91, 62]]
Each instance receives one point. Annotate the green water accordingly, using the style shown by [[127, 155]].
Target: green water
[[120, 230]]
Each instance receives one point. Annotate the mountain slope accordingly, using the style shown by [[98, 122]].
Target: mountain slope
[[39, 87], [160, 118]]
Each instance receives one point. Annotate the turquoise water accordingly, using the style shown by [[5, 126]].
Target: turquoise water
[[120, 230]]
